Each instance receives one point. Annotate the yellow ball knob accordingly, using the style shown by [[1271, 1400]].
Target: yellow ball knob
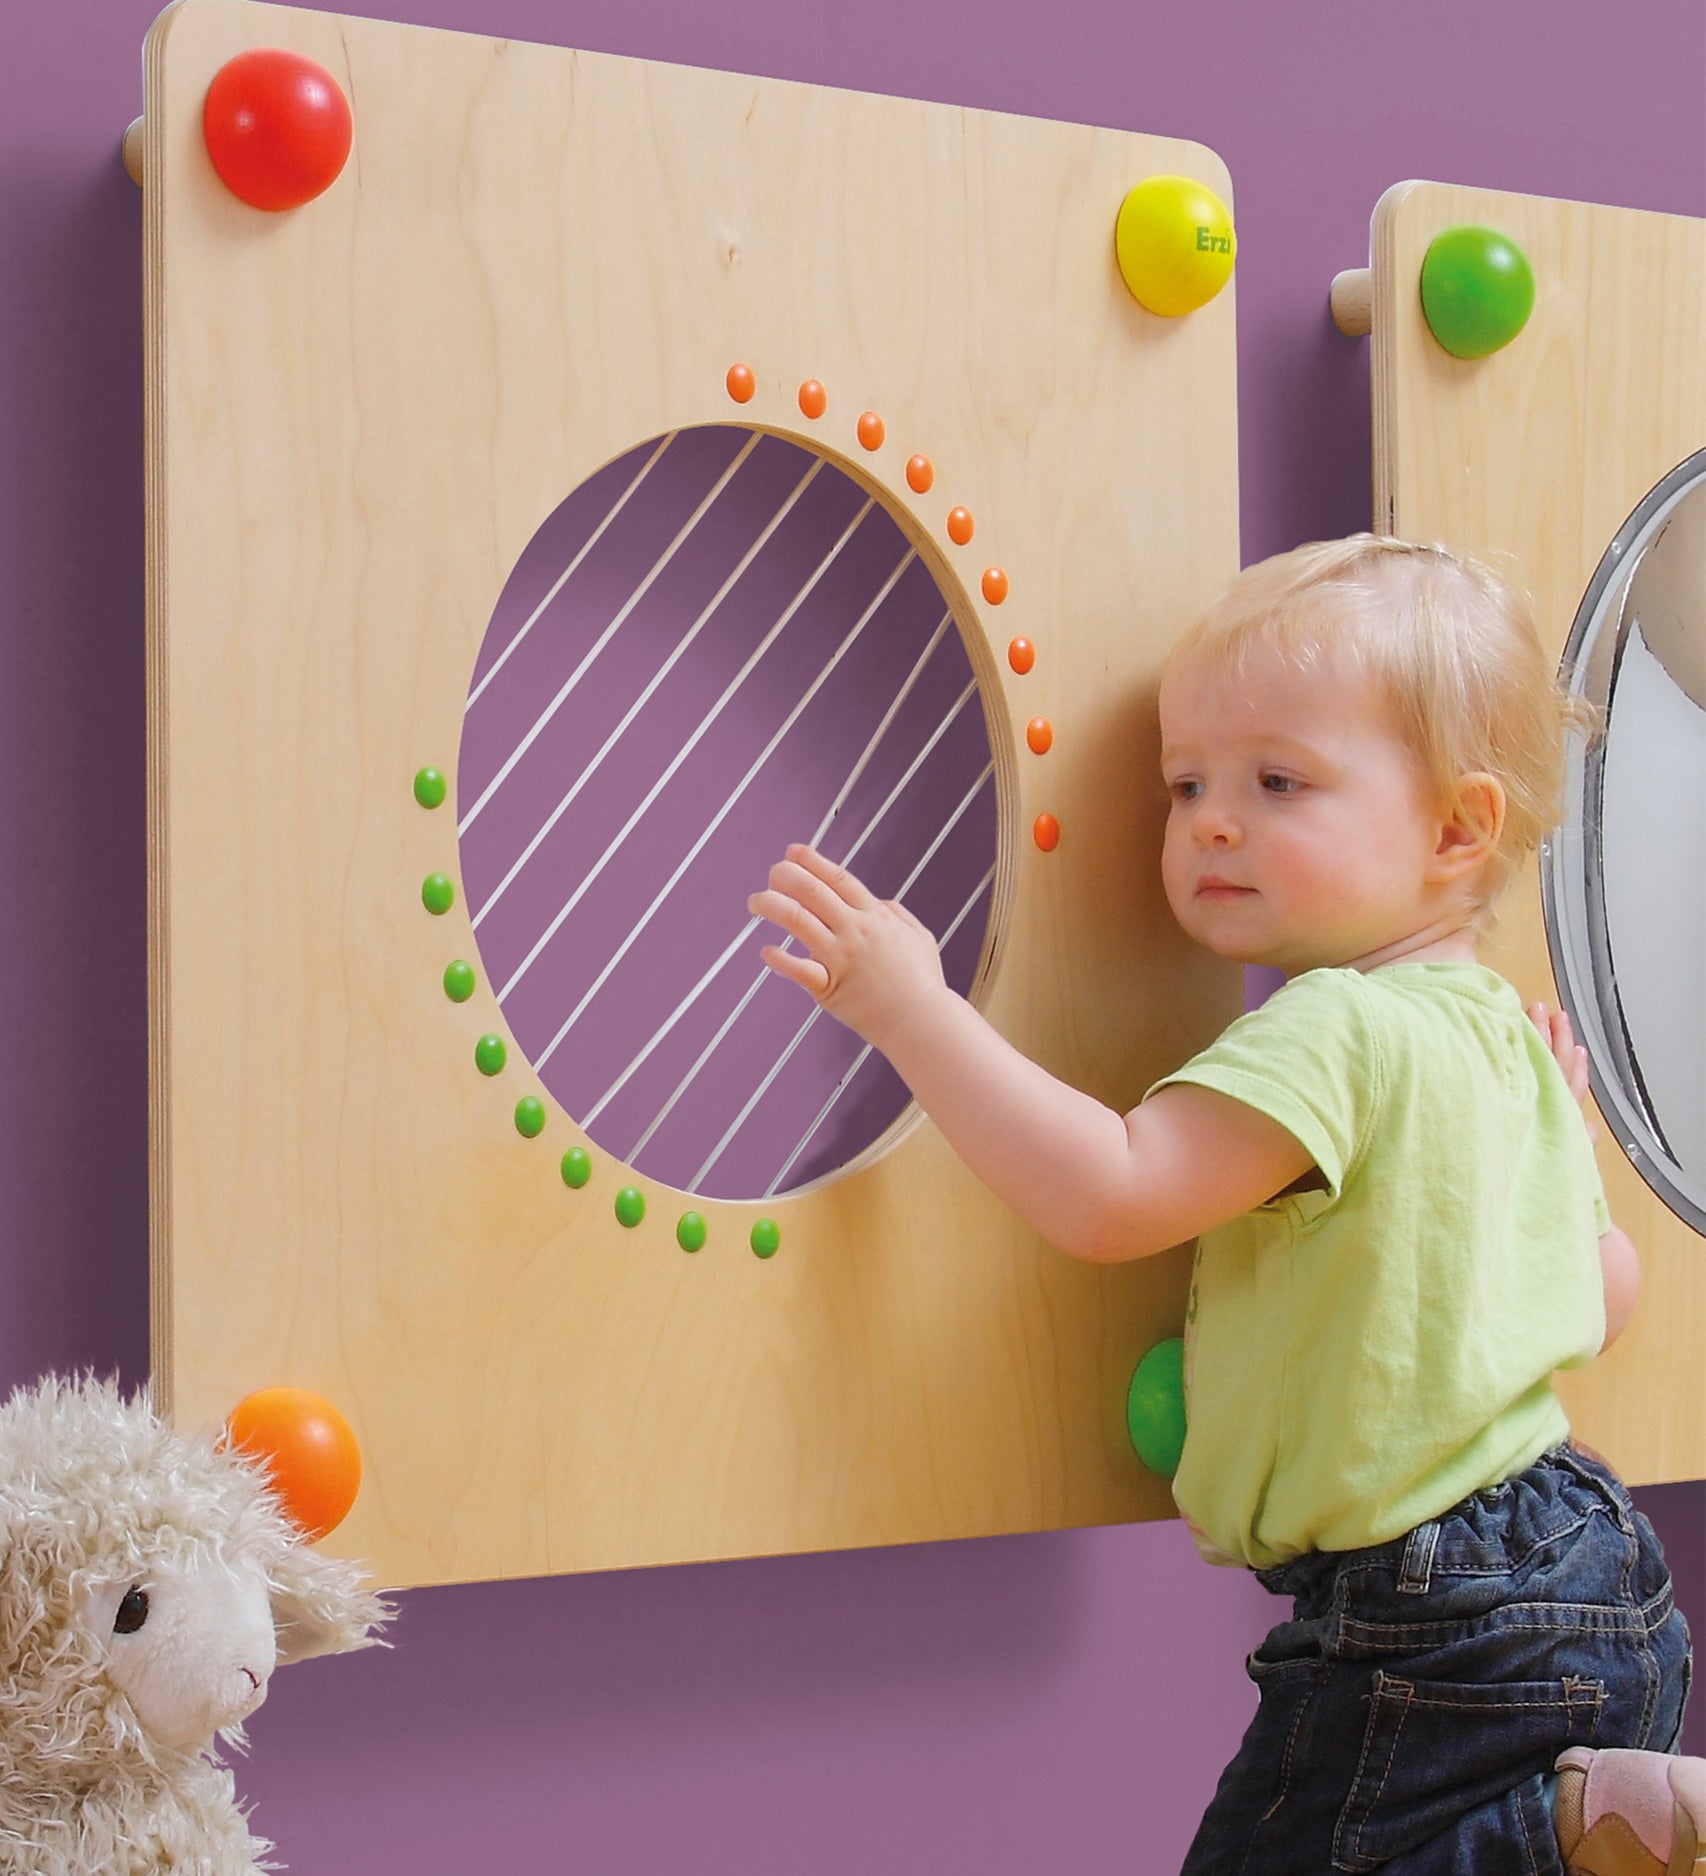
[[1175, 244]]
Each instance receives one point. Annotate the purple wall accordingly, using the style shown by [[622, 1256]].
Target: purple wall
[[1058, 1702]]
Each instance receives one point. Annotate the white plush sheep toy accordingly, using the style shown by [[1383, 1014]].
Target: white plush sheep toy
[[149, 1584]]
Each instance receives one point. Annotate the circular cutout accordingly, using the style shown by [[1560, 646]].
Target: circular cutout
[[718, 644]]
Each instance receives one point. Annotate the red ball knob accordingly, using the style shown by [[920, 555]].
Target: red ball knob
[[277, 128]]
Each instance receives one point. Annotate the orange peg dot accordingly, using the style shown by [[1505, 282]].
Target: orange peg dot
[[1021, 655], [920, 473], [994, 585], [871, 432], [741, 383], [1039, 733], [959, 526], [814, 399], [307, 1449], [1045, 831]]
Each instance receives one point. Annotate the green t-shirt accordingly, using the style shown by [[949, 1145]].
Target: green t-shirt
[[1359, 1359]]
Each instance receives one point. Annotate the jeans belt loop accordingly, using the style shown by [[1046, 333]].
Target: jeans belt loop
[[1415, 1574]]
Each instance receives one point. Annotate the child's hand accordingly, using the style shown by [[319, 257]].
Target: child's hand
[[1567, 1052], [870, 963]]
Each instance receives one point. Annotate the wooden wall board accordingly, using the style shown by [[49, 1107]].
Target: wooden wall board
[[358, 413], [1531, 459]]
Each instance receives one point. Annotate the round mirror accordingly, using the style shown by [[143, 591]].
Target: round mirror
[[1623, 881]]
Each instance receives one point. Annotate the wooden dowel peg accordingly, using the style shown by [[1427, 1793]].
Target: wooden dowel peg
[[1352, 301], [131, 149]]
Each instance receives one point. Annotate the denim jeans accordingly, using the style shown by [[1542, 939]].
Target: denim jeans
[[1411, 1711]]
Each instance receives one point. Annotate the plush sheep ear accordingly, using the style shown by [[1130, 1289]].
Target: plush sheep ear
[[322, 1606]]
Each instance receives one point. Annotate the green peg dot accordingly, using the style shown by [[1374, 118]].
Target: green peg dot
[[1477, 290], [766, 1239], [437, 893], [530, 1117], [690, 1231], [577, 1167], [459, 981], [630, 1206], [490, 1055], [1155, 1407], [430, 787]]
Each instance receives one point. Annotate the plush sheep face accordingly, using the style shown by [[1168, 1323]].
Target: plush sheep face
[[191, 1646], [149, 1584]]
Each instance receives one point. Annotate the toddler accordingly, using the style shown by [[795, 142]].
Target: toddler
[[1401, 1235]]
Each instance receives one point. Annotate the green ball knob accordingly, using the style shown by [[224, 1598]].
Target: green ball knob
[[766, 1239], [459, 981], [630, 1206], [430, 787], [690, 1231], [1477, 290], [1155, 1407], [577, 1167], [530, 1117], [490, 1055], [437, 894]]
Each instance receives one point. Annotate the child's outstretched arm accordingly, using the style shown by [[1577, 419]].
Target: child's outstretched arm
[[1099, 1186], [1619, 1263]]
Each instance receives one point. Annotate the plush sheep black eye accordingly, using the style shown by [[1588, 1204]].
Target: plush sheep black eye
[[132, 1612]]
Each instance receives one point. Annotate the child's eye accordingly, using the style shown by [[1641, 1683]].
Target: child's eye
[[1280, 784], [1186, 788]]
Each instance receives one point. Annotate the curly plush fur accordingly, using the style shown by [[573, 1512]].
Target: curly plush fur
[[97, 1495]]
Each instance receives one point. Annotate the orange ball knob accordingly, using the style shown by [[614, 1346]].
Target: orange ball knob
[[1039, 734], [1045, 831], [920, 473], [310, 1454], [871, 432], [741, 383], [814, 399], [277, 128], [1021, 655], [960, 526], [994, 585]]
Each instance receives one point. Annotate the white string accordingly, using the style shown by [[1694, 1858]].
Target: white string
[[746, 930], [727, 808], [608, 633], [765, 974], [644, 697], [562, 578], [804, 1029], [684, 752], [867, 1051]]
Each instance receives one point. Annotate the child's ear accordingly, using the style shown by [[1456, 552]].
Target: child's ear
[[1471, 826]]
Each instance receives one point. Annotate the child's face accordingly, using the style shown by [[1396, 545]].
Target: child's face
[[1301, 831]]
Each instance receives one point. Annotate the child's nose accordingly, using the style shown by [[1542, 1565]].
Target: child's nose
[[1214, 825]]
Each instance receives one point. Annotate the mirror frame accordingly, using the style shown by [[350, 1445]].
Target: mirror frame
[[1571, 890]]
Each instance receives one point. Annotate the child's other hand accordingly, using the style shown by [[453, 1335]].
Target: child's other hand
[[1567, 1052], [869, 962]]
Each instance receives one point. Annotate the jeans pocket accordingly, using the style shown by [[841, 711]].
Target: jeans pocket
[[1434, 1751]]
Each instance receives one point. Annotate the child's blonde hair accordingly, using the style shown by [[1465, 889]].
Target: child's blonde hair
[[1450, 645]]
